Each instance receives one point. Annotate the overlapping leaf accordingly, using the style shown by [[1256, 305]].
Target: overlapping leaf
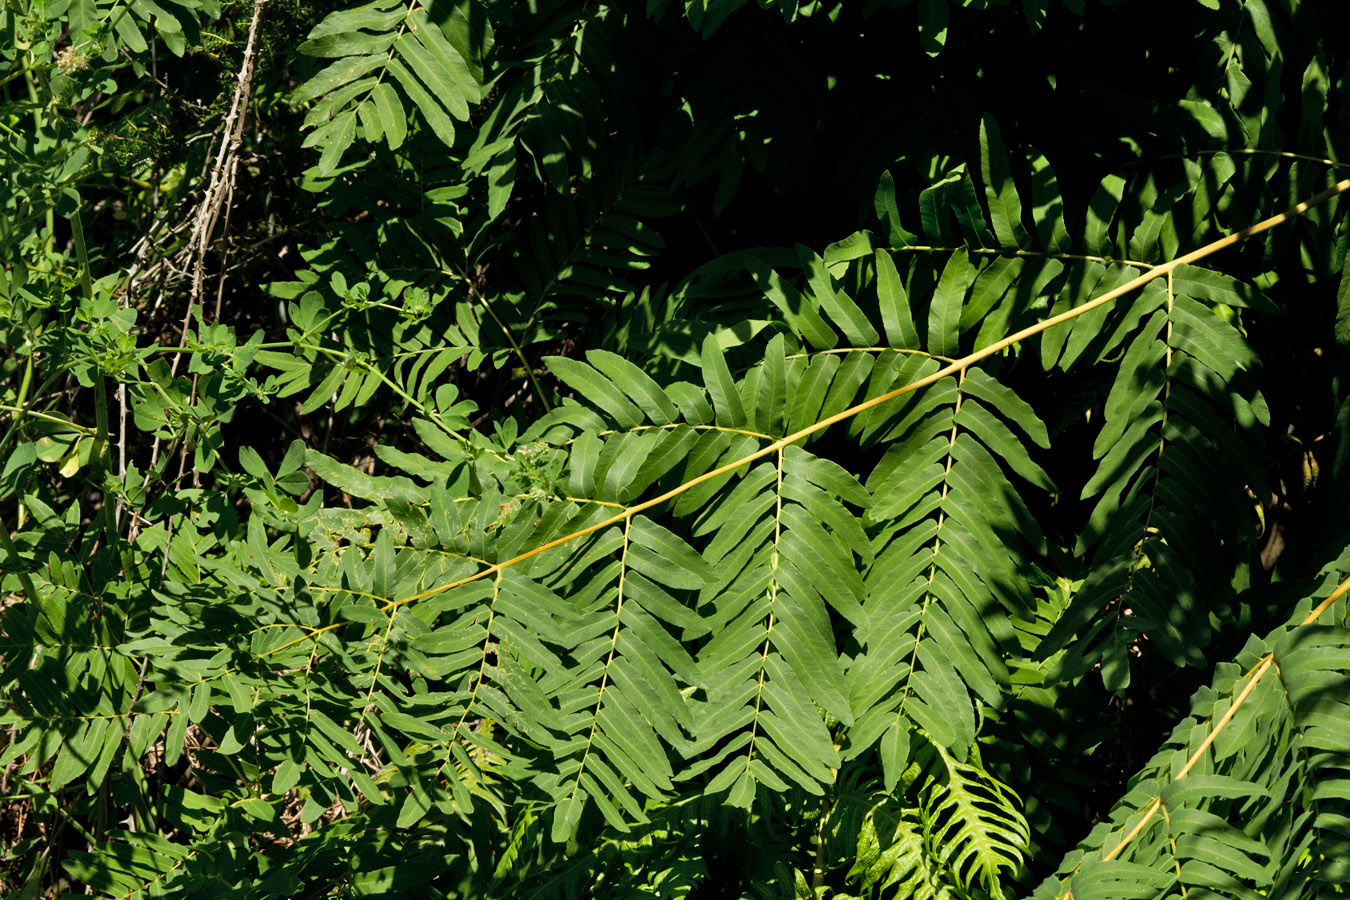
[[1173, 422], [389, 58]]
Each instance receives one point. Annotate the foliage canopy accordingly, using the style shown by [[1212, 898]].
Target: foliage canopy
[[560, 449]]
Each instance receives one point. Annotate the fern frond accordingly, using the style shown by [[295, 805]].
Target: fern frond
[[582, 248], [1256, 805], [971, 822], [892, 854], [375, 47], [1172, 425], [762, 571]]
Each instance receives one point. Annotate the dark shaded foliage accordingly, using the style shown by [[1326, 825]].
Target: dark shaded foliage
[[610, 450]]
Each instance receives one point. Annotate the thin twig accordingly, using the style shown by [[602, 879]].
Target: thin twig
[[122, 459], [219, 188]]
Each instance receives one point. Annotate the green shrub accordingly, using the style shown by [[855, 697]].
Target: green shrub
[[470, 449]]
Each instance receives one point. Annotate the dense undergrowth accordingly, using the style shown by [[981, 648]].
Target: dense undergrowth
[[829, 450]]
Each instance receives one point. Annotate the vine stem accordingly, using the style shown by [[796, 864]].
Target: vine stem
[[101, 448], [515, 348], [959, 365]]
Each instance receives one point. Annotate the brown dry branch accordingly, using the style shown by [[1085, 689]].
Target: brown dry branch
[[219, 190]]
